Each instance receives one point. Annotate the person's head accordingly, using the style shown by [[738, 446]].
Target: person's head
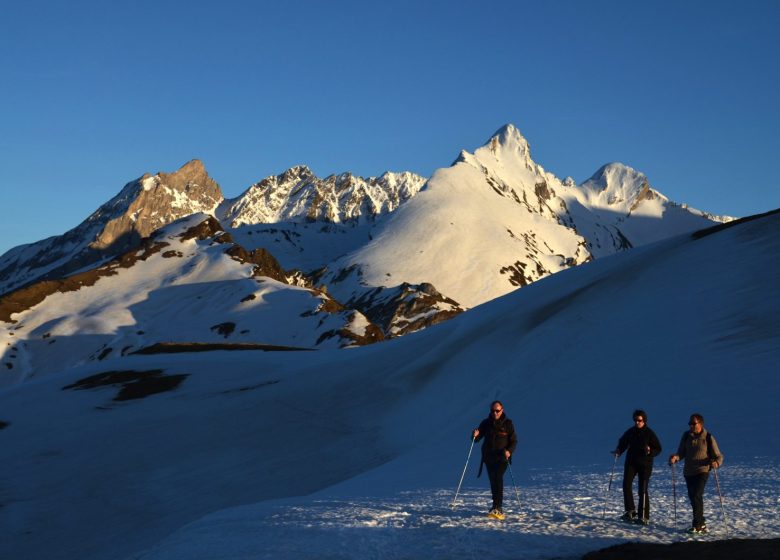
[[696, 423], [640, 418], [496, 409]]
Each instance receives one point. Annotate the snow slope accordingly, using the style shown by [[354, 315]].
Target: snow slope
[[688, 324], [181, 289]]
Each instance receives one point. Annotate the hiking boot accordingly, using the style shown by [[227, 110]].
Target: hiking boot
[[629, 516], [642, 521]]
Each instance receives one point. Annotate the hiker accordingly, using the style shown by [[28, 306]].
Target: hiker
[[642, 445], [499, 443], [700, 451]]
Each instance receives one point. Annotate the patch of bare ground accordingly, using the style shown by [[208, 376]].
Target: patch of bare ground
[[133, 384], [179, 347], [225, 329], [732, 549]]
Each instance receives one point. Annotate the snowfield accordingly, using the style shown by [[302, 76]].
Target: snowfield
[[561, 514], [356, 453]]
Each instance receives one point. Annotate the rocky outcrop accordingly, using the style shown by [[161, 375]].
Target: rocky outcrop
[[143, 206]]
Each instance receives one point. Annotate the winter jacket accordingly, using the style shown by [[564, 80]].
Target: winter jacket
[[636, 440], [499, 435], [697, 454]]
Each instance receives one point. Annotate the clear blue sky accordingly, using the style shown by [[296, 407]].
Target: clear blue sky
[[94, 94]]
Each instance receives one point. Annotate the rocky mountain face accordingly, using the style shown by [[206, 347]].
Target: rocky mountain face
[[142, 206]]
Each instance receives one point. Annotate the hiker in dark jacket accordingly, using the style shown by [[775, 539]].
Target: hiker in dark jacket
[[641, 445], [499, 443], [701, 453]]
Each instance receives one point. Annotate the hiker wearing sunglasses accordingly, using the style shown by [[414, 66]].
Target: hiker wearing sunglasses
[[642, 446], [499, 443], [700, 452]]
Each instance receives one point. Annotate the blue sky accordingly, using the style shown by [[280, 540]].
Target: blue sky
[[94, 94]]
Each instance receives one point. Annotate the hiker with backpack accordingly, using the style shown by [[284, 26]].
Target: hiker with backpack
[[642, 446], [500, 441], [700, 452]]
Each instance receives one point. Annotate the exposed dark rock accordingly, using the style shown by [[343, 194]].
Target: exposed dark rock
[[4, 425], [206, 229], [516, 273], [265, 263], [732, 549], [225, 329], [179, 347], [104, 354], [134, 384], [406, 308], [250, 297], [171, 254]]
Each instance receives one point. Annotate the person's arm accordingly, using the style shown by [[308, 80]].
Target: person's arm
[[479, 432], [512, 440], [622, 445], [655, 445], [717, 456], [680, 455]]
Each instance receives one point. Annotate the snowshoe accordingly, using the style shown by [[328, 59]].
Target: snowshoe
[[628, 517]]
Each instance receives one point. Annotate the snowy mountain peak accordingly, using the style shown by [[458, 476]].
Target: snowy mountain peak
[[616, 184], [508, 140]]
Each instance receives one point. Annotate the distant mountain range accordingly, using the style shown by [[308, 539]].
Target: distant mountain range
[[300, 261]]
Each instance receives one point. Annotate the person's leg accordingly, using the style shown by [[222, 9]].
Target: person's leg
[[492, 470], [629, 472], [698, 499], [499, 496]]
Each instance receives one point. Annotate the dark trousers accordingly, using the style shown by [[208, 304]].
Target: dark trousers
[[631, 470], [696, 484], [496, 475]]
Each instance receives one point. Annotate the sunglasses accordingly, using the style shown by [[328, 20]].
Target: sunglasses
[[694, 423], [497, 410], [639, 420]]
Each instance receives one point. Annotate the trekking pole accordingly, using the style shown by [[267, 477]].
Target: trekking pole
[[722, 509], [609, 487], [517, 493], [473, 439], [674, 493]]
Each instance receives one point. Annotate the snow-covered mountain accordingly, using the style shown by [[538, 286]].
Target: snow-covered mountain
[[347, 453], [496, 220], [189, 287], [403, 252]]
